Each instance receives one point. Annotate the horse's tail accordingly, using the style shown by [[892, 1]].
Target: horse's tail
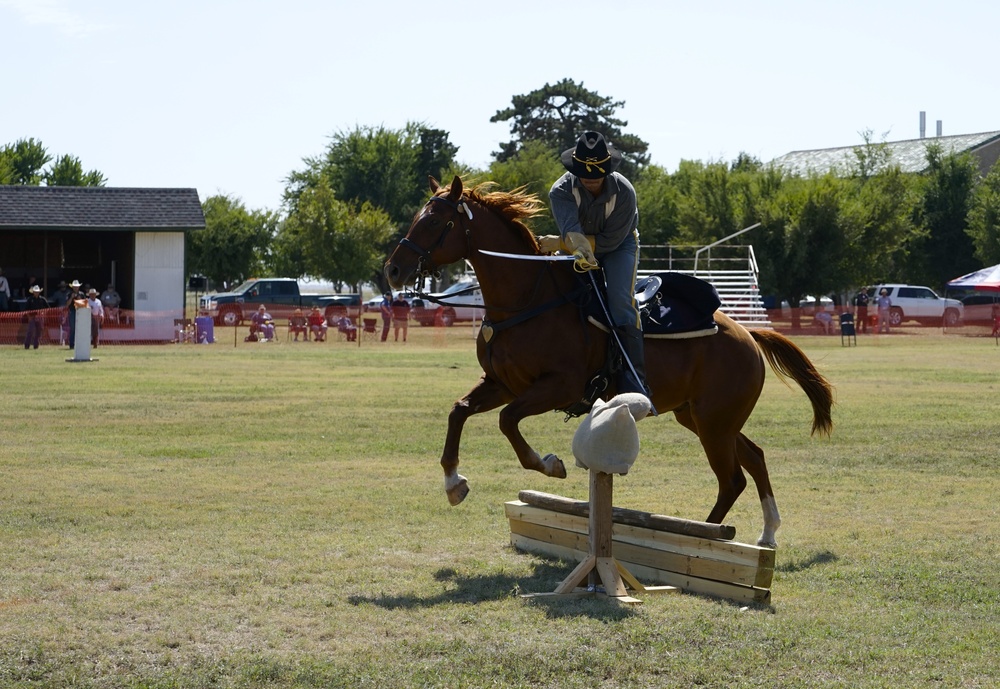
[[788, 361]]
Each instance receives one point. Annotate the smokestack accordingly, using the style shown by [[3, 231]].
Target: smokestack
[[923, 124], [939, 128]]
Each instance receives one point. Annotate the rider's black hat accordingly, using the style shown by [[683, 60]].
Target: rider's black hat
[[593, 157]]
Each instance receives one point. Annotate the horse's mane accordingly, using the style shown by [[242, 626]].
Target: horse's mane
[[512, 206]]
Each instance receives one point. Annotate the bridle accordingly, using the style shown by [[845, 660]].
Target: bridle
[[425, 266]]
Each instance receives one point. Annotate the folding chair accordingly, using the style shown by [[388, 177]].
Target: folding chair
[[369, 331], [297, 326], [847, 332]]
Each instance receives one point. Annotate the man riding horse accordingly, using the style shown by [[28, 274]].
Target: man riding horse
[[597, 215]]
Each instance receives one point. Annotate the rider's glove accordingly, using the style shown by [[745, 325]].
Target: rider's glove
[[549, 243], [581, 246]]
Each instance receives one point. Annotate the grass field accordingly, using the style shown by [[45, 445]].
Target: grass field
[[273, 515]]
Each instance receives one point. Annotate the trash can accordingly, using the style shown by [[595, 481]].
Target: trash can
[[204, 330]]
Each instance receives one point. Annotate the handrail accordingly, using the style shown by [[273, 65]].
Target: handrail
[[724, 239]]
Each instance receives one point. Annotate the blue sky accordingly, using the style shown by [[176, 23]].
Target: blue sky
[[229, 97]]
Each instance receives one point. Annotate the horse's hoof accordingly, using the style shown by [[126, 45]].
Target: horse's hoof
[[554, 466], [457, 493], [767, 543]]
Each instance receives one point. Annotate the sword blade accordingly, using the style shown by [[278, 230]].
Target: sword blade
[[527, 257]]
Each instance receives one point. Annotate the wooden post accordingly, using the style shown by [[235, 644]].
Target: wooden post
[[600, 567]]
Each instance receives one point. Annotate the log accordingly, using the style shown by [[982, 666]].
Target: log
[[621, 515]]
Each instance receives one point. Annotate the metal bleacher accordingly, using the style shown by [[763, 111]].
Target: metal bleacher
[[732, 269]]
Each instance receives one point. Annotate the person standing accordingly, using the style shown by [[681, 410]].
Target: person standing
[[60, 296], [596, 211], [75, 295], [96, 316], [400, 316], [4, 291], [385, 308], [861, 304], [36, 316], [884, 304]]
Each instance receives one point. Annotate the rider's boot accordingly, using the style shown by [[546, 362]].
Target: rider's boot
[[632, 345]]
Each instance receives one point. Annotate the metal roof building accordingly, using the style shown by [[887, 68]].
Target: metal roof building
[[909, 155]]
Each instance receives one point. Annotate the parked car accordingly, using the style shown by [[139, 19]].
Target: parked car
[[375, 303], [463, 302], [918, 303], [808, 305], [979, 308], [281, 296]]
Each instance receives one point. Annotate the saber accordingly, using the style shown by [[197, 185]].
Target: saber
[[527, 257]]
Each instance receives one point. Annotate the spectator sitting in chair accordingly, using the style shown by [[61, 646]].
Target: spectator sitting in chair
[[297, 324], [111, 301], [347, 327], [825, 321], [317, 325], [262, 325]]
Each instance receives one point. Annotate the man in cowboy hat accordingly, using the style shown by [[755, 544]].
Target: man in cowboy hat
[[598, 218], [96, 316], [35, 306]]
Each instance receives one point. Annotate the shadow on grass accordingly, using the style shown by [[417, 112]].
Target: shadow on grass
[[497, 586], [821, 558]]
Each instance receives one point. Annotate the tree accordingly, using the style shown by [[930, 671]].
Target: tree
[[7, 172], [658, 199], [947, 250], [67, 171], [330, 240], [384, 167], [878, 226], [984, 218], [27, 157], [534, 167], [556, 115], [235, 243], [800, 239]]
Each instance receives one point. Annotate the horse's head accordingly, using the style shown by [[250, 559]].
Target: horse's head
[[438, 236]]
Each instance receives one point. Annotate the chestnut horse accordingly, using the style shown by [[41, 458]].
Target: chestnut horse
[[544, 360]]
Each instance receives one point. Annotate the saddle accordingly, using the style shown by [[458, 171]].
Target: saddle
[[671, 305]]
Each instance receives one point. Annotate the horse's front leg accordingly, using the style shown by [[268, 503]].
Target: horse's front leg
[[486, 395], [538, 400]]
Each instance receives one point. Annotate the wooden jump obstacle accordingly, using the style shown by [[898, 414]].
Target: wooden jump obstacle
[[615, 546]]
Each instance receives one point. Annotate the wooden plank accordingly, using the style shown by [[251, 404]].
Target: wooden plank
[[692, 584], [720, 589], [621, 515], [608, 571], [725, 551], [703, 568], [577, 576]]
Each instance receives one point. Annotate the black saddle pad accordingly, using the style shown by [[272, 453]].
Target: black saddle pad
[[681, 304]]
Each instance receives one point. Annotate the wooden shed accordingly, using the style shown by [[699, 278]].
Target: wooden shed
[[132, 238]]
